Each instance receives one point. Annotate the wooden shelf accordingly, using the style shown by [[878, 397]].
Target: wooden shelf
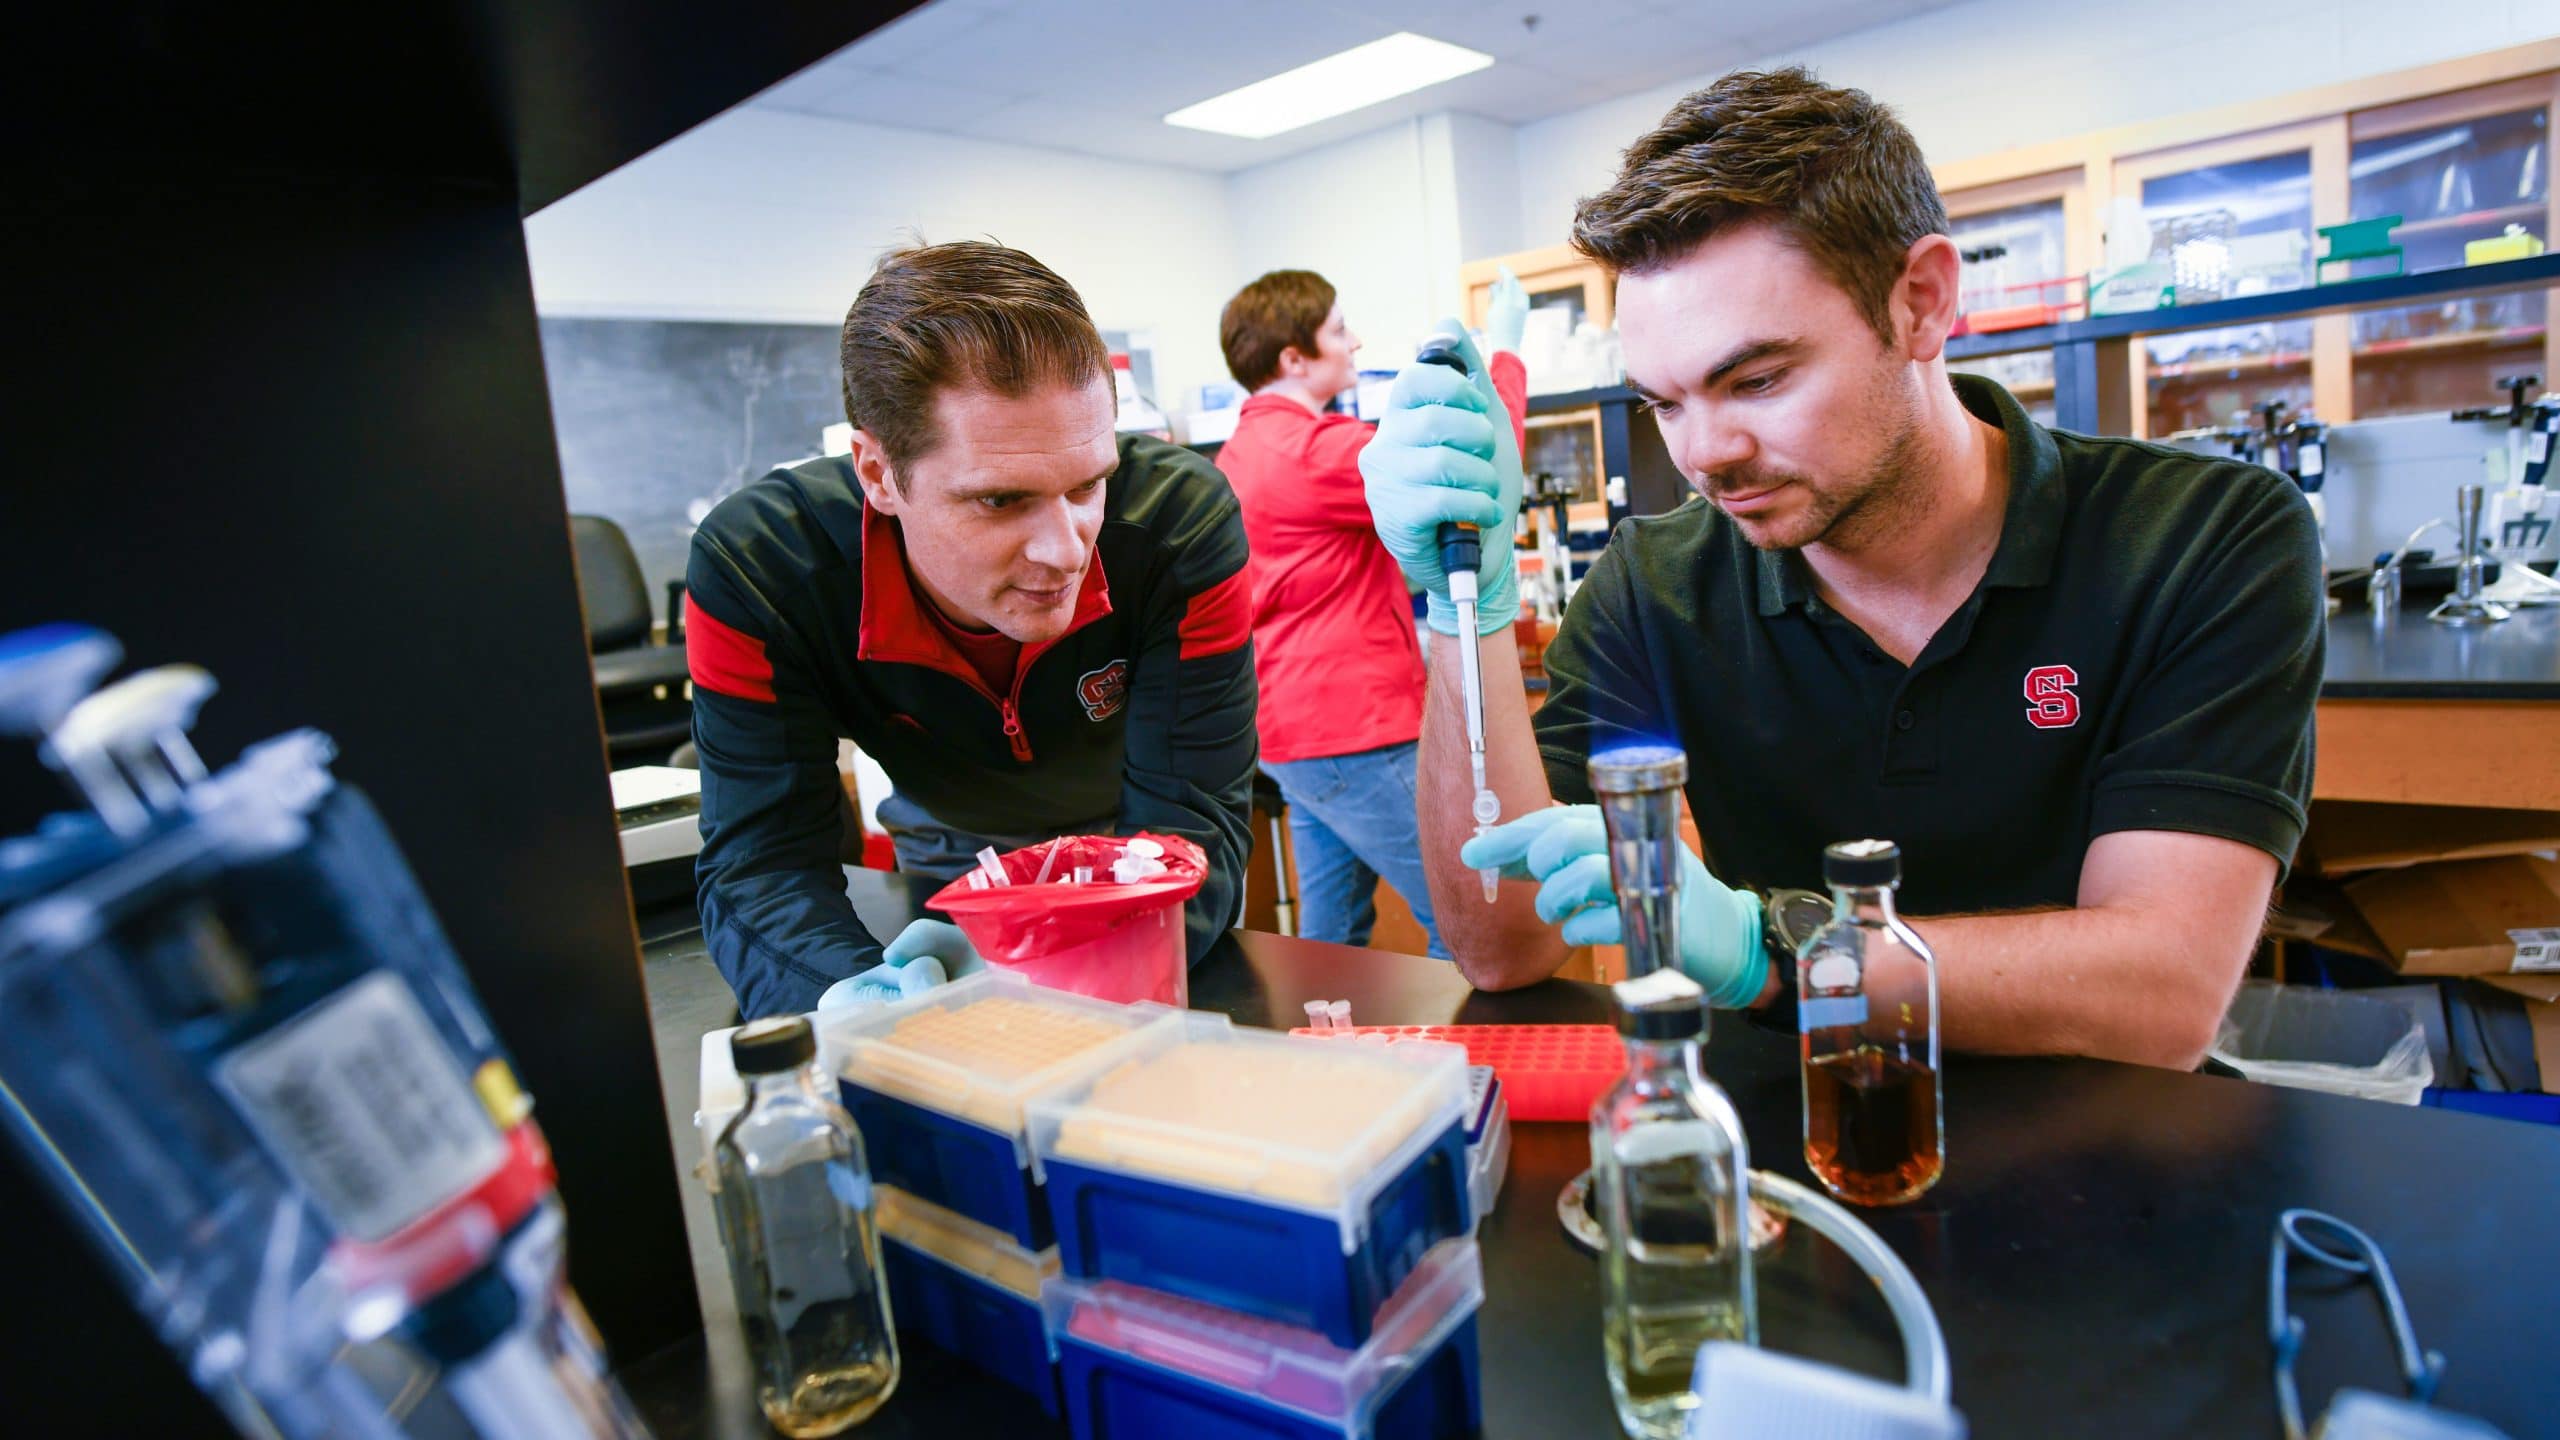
[[2433, 344], [2220, 369], [2032, 390], [2501, 217]]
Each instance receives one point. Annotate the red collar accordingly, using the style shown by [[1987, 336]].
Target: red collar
[[895, 628]]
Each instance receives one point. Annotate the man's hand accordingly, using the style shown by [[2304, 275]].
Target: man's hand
[[925, 954], [1566, 848], [1445, 453]]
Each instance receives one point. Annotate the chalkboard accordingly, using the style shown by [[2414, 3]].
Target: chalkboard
[[654, 416]]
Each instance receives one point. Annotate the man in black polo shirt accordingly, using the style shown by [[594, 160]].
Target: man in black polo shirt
[[2072, 677]]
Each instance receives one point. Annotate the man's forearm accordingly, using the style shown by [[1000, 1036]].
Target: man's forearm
[[1504, 944], [2117, 982]]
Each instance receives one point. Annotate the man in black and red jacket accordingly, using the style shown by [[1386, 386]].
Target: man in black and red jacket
[[1036, 625]]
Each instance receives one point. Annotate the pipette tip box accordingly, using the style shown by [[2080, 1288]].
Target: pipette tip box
[[1135, 1363], [939, 1085], [966, 1289], [1283, 1178]]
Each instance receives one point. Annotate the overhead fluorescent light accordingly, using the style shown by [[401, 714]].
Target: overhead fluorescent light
[[1335, 85]]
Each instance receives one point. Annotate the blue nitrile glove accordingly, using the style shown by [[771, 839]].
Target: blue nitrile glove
[[1506, 313], [1445, 452], [1566, 847], [925, 954], [939, 940]]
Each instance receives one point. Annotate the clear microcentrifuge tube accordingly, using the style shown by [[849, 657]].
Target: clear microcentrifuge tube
[[1316, 1018], [1339, 1014]]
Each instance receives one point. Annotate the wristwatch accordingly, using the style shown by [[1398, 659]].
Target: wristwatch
[[1790, 918]]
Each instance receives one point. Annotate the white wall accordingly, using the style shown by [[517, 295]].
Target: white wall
[[1992, 75], [1358, 212], [772, 216]]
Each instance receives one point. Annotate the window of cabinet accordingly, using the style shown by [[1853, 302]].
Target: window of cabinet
[[2453, 182], [2242, 227]]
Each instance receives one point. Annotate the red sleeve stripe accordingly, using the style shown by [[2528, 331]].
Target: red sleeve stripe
[[724, 660], [1218, 619]]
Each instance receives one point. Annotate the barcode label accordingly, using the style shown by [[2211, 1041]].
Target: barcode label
[[2539, 448], [2536, 950], [1831, 1011], [362, 1103]]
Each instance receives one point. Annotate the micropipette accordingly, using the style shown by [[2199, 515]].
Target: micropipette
[[1461, 550]]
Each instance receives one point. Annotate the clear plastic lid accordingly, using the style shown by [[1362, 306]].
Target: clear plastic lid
[[1292, 1121], [963, 1243], [1279, 1364], [980, 1047]]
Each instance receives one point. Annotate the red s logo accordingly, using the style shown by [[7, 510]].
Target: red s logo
[[2050, 703], [1104, 691]]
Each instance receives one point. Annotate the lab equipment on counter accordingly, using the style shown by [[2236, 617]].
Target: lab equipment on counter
[[941, 1085], [1136, 1365], [968, 1290], [1461, 551], [1549, 1072], [795, 1212], [1293, 1179], [2467, 606], [2517, 529], [1051, 919], [247, 1062], [1867, 1006], [2355, 1414], [1670, 1183]]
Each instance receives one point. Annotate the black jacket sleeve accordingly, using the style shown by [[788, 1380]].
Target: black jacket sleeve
[[1191, 745], [771, 890]]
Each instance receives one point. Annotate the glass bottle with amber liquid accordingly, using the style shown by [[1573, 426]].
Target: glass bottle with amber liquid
[[1867, 1005]]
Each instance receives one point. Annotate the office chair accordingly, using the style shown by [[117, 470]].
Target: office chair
[[640, 686]]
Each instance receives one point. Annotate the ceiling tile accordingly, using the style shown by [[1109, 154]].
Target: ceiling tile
[[880, 97]]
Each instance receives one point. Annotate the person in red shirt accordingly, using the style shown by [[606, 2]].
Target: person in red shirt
[[1335, 655]]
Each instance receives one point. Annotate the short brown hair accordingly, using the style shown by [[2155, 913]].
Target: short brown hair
[[966, 313], [1282, 309], [1831, 168]]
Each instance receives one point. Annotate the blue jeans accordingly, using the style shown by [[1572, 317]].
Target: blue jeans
[[1351, 822]]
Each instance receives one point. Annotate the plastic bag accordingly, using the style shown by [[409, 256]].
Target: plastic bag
[[2332, 1040], [1105, 939]]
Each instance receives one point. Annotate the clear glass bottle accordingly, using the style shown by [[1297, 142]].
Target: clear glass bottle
[[794, 1202], [1669, 1176], [1867, 1006]]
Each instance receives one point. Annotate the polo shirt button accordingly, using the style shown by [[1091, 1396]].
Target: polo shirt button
[[1905, 720]]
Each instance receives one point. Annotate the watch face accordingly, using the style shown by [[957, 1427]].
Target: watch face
[[1794, 916]]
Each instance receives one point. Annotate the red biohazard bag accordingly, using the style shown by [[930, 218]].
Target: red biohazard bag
[[1114, 941]]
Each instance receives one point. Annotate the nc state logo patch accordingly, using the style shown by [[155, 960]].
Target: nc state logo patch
[[2050, 703], [1104, 691]]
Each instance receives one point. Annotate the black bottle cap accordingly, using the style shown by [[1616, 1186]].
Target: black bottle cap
[[1665, 1005], [765, 1047], [1862, 862]]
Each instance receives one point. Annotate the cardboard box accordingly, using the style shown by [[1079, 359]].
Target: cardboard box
[[2349, 836], [2456, 917], [2541, 994]]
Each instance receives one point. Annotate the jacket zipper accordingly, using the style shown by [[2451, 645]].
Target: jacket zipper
[[1009, 707]]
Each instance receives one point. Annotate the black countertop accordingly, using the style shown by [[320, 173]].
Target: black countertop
[[2097, 1252], [2409, 657]]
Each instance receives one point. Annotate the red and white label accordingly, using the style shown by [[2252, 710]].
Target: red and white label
[[2051, 705]]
